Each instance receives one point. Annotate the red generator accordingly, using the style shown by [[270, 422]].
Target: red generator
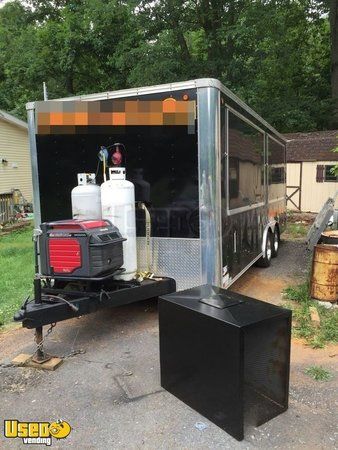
[[80, 248]]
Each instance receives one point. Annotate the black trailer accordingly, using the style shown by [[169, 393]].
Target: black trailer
[[209, 169]]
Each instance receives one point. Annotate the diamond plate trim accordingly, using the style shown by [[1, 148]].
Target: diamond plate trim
[[173, 257]]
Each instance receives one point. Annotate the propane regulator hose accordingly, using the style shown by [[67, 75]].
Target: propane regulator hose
[[55, 299]]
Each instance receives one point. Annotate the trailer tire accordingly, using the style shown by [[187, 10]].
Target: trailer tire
[[265, 260], [275, 243]]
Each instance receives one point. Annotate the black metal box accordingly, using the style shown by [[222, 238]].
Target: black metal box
[[225, 355]]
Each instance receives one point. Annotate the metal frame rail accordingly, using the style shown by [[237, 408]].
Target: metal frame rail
[[59, 303]]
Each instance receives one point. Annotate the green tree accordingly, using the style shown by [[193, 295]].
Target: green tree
[[275, 54], [73, 46], [334, 57], [331, 8], [284, 67]]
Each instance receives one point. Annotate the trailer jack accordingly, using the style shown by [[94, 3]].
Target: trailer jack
[[40, 356]]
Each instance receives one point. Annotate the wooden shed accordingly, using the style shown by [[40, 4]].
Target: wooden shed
[[310, 159], [15, 164]]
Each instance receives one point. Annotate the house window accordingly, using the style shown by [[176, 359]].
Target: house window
[[330, 174], [326, 173], [277, 175]]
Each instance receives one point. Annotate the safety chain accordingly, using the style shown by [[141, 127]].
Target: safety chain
[[79, 351], [39, 345]]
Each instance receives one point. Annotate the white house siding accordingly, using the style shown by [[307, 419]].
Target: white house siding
[[313, 194], [14, 148]]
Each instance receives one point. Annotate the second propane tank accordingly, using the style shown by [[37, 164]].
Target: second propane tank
[[86, 198], [118, 206]]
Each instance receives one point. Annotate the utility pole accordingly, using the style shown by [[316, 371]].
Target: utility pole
[[45, 92]]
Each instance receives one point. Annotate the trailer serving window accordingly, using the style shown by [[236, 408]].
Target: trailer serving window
[[246, 163]]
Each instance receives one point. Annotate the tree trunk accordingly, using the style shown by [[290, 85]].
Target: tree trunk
[[182, 43], [334, 57], [70, 83]]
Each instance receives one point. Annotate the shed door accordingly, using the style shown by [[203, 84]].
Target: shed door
[[294, 186]]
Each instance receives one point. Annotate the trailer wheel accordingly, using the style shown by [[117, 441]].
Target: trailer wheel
[[275, 243], [265, 260]]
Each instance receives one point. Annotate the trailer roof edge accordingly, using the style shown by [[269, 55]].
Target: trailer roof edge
[[176, 86]]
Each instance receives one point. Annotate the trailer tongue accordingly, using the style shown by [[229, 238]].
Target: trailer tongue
[[59, 303]]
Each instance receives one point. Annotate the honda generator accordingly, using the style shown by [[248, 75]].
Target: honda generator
[[80, 248]]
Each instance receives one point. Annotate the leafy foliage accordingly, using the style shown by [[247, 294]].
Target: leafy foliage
[[275, 54]]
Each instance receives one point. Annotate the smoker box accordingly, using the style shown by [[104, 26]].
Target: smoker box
[[229, 362], [80, 248]]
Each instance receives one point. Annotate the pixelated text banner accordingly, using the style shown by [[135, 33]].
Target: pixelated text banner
[[65, 117]]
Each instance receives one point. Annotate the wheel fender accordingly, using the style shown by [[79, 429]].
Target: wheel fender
[[270, 227]]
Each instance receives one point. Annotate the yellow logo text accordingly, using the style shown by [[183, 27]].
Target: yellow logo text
[[36, 432]]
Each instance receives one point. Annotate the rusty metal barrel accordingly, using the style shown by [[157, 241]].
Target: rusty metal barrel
[[324, 277], [329, 237]]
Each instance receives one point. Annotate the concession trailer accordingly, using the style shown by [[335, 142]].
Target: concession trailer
[[198, 182]]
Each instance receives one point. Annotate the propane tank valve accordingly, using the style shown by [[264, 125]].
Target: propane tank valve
[[117, 155]]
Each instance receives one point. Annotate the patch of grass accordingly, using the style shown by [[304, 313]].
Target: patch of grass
[[16, 271], [318, 373], [299, 293], [303, 327], [296, 230], [329, 321]]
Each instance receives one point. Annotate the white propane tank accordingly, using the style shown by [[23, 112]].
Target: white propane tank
[[86, 198], [118, 206]]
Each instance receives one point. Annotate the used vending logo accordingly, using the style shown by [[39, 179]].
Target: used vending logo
[[36, 432]]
